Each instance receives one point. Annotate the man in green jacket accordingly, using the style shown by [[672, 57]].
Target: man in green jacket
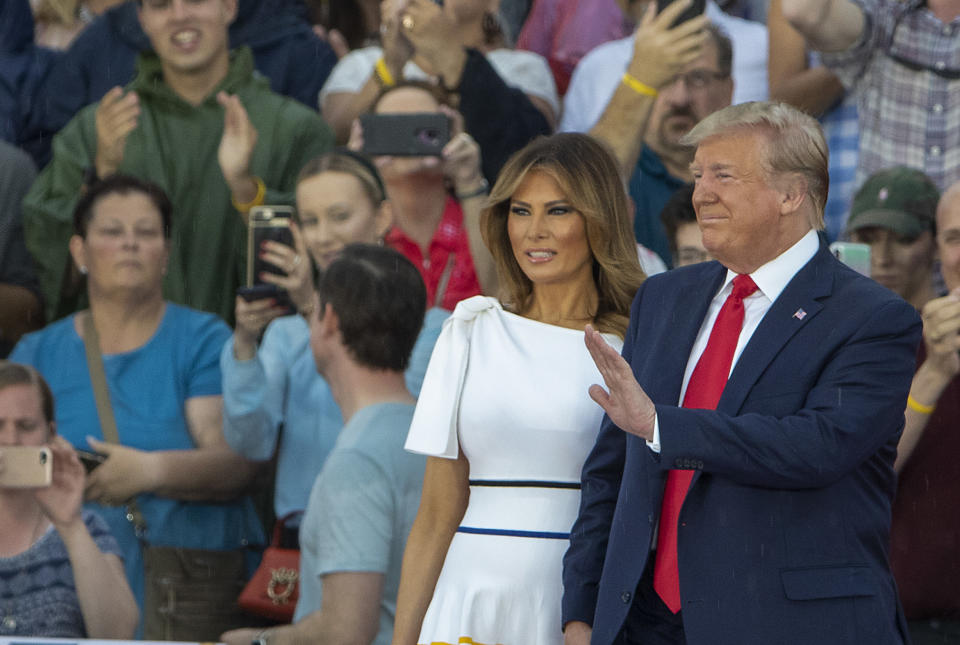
[[200, 122]]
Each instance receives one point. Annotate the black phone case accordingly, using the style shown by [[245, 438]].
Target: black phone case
[[696, 9], [405, 135]]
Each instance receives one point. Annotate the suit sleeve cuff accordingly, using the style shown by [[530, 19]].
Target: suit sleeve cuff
[[654, 443]]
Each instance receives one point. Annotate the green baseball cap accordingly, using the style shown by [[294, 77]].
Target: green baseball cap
[[901, 199]]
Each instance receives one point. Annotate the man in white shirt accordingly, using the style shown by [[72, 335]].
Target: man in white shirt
[[597, 75], [740, 489], [677, 75]]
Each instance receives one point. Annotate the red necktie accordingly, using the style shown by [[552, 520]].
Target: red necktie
[[703, 391]]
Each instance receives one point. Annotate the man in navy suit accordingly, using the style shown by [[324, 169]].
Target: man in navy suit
[[780, 531]]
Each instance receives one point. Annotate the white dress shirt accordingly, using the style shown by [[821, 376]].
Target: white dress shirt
[[771, 279], [597, 75]]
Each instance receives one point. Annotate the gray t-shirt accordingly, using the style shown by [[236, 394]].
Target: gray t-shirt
[[37, 593], [362, 507]]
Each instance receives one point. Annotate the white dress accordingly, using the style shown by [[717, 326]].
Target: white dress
[[512, 393]]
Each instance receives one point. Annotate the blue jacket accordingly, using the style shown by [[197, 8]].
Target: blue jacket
[[784, 533], [23, 65], [285, 50]]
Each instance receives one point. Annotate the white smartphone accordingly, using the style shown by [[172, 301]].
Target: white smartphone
[[854, 255]]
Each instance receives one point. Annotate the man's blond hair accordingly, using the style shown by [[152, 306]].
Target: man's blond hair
[[795, 143]]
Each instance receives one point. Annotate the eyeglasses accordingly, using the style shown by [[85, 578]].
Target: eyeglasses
[[690, 255], [697, 79]]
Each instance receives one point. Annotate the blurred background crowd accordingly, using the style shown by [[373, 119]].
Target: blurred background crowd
[[139, 138]]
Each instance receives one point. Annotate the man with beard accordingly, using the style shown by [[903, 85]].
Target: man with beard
[[676, 77]]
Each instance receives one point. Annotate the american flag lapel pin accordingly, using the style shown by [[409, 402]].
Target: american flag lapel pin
[[800, 314]]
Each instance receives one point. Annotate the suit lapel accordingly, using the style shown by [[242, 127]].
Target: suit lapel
[[794, 308], [797, 304], [682, 317], [685, 317]]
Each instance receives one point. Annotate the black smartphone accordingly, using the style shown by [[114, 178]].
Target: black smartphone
[[90, 460], [405, 135], [696, 9], [258, 292], [266, 223]]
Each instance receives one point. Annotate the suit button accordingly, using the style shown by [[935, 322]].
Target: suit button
[[625, 597]]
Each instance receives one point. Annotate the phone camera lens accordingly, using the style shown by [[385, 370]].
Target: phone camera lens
[[429, 136]]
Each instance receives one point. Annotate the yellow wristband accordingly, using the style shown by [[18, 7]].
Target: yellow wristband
[[638, 86], [383, 74], [916, 406], [257, 200]]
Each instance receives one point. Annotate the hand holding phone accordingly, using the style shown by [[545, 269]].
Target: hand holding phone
[[267, 224], [668, 40], [90, 460], [696, 8], [62, 500]]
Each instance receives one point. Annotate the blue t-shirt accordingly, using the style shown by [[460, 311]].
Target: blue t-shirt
[[362, 507], [280, 385], [149, 387]]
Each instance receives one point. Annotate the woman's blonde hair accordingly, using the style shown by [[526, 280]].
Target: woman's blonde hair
[[590, 179], [351, 163]]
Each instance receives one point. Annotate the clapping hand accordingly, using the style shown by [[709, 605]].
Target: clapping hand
[[397, 49], [116, 117], [941, 334], [236, 148], [433, 34]]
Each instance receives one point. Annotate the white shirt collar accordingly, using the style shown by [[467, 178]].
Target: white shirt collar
[[772, 278]]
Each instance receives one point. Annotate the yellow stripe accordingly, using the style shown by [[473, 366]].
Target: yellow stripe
[[463, 640]]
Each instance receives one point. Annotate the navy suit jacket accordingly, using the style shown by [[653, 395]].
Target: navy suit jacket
[[784, 532]]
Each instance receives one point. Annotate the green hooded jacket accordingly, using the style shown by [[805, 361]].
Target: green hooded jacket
[[175, 146]]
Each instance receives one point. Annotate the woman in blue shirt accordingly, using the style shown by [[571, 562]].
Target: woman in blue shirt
[[340, 200], [163, 378]]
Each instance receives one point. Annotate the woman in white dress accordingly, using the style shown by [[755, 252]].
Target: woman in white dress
[[504, 411]]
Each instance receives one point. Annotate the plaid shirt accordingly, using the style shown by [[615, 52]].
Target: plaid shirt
[[905, 70], [840, 127]]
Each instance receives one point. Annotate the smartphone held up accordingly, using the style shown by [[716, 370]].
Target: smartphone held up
[[405, 135], [25, 467], [266, 223]]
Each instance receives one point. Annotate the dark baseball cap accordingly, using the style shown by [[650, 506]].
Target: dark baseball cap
[[901, 199]]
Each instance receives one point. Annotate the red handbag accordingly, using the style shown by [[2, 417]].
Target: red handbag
[[275, 586]]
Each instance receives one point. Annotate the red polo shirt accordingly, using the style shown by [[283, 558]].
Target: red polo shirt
[[448, 254]]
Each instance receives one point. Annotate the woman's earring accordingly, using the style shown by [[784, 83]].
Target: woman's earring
[[83, 269]]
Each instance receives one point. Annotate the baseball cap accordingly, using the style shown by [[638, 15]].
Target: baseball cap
[[901, 199]]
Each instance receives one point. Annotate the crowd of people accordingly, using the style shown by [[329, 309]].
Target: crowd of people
[[583, 365]]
